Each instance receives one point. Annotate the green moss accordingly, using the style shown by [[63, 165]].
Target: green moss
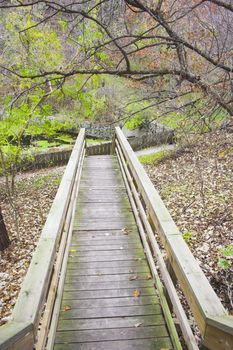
[[188, 237], [154, 158], [93, 141]]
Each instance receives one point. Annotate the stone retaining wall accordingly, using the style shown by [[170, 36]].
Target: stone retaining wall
[[149, 134], [100, 131]]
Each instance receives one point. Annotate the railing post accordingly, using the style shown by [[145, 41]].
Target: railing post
[[112, 149]]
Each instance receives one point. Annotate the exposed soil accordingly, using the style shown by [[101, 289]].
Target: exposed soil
[[34, 193], [196, 186]]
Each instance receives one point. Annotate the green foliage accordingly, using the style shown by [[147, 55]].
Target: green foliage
[[93, 141], [32, 51], [154, 158], [188, 237], [86, 103], [44, 144], [65, 138], [49, 180], [134, 122], [227, 254], [173, 120]]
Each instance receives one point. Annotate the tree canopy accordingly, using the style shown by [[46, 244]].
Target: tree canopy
[[181, 51]]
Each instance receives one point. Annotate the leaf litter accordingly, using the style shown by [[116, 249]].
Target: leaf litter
[[195, 184], [34, 194]]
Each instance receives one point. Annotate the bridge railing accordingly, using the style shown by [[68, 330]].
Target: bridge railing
[[39, 286], [215, 325], [100, 148]]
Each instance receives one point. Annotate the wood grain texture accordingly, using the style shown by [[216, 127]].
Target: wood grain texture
[[201, 297], [132, 344], [109, 299]]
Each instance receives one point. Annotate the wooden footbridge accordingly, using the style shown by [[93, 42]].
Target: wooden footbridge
[[109, 259]]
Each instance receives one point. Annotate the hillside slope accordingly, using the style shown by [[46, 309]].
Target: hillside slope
[[196, 185]]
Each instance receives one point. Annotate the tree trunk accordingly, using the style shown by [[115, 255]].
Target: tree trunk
[[4, 238]]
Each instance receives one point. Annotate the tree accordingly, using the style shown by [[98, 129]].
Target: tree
[[181, 50], [4, 238]]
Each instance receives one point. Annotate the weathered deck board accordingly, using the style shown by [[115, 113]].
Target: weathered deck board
[[106, 269]]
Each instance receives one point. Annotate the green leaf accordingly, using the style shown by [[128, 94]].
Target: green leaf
[[223, 263]]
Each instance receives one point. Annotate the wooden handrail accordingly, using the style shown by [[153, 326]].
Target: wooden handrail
[[215, 325], [20, 333]]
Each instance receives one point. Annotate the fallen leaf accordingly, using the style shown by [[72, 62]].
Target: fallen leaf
[[126, 231], [136, 293], [138, 324], [148, 277], [73, 250], [133, 278], [67, 308]]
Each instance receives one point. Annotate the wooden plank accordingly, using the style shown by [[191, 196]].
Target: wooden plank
[[99, 278], [101, 174], [101, 214], [130, 264], [115, 322], [83, 211], [103, 190], [16, 336], [91, 226], [102, 199], [32, 295], [179, 311], [219, 333], [105, 183], [101, 221], [107, 293], [204, 301], [121, 245], [105, 285], [104, 259], [167, 314], [58, 267], [111, 334], [107, 234], [108, 312], [135, 252], [72, 270], [94, 243], [110, 302], [138, 344], [188, 275]]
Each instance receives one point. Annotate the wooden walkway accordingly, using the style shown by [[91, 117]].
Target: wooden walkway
[[109, 300]]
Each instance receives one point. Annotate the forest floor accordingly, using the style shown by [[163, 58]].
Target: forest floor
[[34, 193], [195, 182]]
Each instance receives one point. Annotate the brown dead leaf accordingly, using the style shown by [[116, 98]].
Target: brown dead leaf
[[148, 277], [133, 278], [126, 231], [67, 308], [136, 293]]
